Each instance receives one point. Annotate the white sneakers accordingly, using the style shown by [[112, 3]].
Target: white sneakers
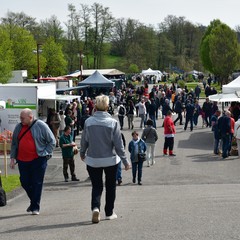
[[95, 215], [35, 212], [112, 217]]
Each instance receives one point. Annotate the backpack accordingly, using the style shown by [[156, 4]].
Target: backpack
[[121, 111], [3, 198]]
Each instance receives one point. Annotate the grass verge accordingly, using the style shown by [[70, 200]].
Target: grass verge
[[10, 183]]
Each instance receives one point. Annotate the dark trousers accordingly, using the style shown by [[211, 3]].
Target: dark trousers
[[179, 118], [31, 178], [121, 121], [68, 161], [168, 143], [195, 119], [96, 176], [225, 145], [137, 169], [208, 120], [189, 119], [230, 142]]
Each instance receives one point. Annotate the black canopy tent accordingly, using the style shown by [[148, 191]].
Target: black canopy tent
[[97, 80]]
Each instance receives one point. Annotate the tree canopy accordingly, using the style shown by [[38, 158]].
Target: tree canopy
[[220, 50]]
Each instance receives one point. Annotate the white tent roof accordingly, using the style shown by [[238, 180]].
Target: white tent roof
[[89, 72], [225, 97], [232, 86], [151, 72]]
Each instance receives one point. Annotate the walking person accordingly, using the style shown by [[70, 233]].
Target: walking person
[[224, 129], [121, 114], [216, 135], [135, 146], [130, 114], [188, 114], [196, 113], [169, 133], [178, 108], [32, 160], [207, 109], [150, 137], [101, 135], [152, 112], [66, 143], [142, 112]]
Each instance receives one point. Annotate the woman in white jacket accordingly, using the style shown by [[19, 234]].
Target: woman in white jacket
[[237, 134]]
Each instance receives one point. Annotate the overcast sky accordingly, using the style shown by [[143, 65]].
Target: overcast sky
[[146, 11]]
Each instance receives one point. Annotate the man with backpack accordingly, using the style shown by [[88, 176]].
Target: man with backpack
[[121, 114]]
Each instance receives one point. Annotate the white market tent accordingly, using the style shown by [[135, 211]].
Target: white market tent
[[232, 86], [225, 97], [230, 92], [150, 72], [89, 72]]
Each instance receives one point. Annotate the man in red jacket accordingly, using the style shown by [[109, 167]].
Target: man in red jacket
[[169, 132]]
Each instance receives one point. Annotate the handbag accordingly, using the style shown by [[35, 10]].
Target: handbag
[[141, 156], [75, 150]]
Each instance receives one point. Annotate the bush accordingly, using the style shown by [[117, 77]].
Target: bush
[[181, 83]]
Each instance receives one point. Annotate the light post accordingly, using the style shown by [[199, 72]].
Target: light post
[[38, 51], [81, 56]]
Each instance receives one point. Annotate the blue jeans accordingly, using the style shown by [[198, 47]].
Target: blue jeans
[[96, 175], [142, 123], [195, 119], [137, 168], [31, 178], [216, 145], [119, 171], [153, 118]]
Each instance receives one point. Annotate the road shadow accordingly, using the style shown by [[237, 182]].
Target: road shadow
[[211, 158], [197, 140]]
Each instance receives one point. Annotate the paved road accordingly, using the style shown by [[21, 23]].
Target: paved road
[[195, 195]]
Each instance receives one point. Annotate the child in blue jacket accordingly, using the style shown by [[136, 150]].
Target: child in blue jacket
[[137, 145]]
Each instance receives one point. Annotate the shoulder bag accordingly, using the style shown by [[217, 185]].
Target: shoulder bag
[[141, 156]]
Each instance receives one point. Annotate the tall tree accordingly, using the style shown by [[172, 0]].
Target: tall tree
[[73, 43], [205, 48], [23, 45], [6, 56], [55, 62], [224, 52], [102, 24], [52, 28]]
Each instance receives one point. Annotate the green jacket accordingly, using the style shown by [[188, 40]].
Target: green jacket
[[66, 151]]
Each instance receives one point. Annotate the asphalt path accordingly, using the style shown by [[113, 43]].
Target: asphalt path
[[195, 195]]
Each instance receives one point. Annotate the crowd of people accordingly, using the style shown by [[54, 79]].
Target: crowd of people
[[102, 145]]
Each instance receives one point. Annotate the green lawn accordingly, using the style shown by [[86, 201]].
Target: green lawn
[[10, 182]]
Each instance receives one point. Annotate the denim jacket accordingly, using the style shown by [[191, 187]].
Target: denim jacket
[[133, 151]]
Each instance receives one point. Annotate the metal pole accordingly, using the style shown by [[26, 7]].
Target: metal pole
[[38, 63], [81, 66]]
